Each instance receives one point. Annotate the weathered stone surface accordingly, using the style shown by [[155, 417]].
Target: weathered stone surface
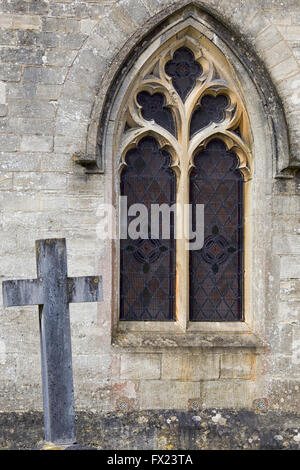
[[290, 266], [190, 367], [9, 143], [22, 55], [167, 394], [140, 366], [26, 22], [237, 366], [58, 61], [10, 72], [227, 394], [32, 109], [34, 143], [162, 430]]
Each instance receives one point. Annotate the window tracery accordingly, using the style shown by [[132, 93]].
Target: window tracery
[[186, 99]]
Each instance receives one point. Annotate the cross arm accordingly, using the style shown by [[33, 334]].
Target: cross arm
[[22, 292], [85, 289]]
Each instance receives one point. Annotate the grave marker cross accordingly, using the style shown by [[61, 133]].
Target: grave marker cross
[[53, 290]]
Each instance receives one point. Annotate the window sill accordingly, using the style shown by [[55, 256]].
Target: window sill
[[143, 336]]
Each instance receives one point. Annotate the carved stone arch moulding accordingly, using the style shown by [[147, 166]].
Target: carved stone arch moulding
[[185, 71], [192, 26]]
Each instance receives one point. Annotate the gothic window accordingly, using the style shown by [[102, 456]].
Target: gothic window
[[148, 264], [184, 139], [216, 271]]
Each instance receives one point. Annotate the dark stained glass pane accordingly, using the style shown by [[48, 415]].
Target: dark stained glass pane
[[147, 271], [211, 109], [153, 108], [184, 70], [216, 271]]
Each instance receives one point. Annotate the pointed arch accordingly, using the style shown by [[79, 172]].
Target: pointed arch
[[160, 103], [236, 49], [244, 128]]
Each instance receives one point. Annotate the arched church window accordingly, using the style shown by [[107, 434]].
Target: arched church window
[[184, 141]]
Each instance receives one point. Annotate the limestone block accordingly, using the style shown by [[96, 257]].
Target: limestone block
[[45, 75], [5, 21], [64, 25], [290, 32], [289, 311], [35, 126], [136, 11], [290, 267], [80, 92], [86, 25], [21, 55], [283, 338], [24, 368], [32, 109], [268, 38], [6, 180], [279, 17], [73, 109], [283, 206], [72, 41], [10, 72], [140, 366], [257, 24], [18, 91], [167, 394], [9, 143], [227, 394], [67, 126], [59, 162], [2, 92], [59, 57], [284, 69], [36, 39], [290, 290], [48, 92], [277, 54], [19, 202], [155, 6], [190, 367], [3, 110], [91, 368], [7, 37], [237, 366], [36, 143], [19, 162], [67, 144], [38, 8], [287, 244], [39, 182]]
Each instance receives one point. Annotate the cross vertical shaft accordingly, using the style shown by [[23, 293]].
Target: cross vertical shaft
[[55, 336]]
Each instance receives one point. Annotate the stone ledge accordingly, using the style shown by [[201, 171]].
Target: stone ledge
[[143, 341]]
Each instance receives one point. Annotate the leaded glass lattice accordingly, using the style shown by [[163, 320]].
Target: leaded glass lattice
[[184, 70], [153, 107], [147, 275], [216, 271], [211, 109]]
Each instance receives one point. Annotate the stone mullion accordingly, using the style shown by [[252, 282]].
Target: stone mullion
[[182, 254]]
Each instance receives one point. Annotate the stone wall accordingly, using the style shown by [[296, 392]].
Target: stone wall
[[56, 61]]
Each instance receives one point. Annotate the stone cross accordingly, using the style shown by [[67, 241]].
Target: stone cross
[[53, 290]]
